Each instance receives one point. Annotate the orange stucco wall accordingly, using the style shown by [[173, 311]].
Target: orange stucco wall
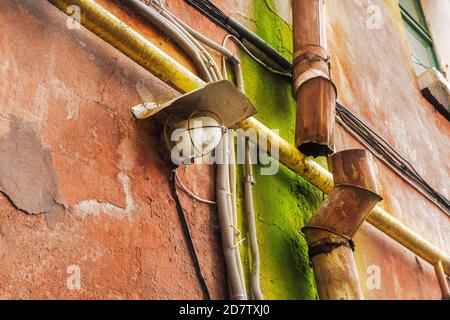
[[113, 216], [66, 95]]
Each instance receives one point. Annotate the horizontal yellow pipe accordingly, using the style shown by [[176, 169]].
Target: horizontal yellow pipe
[[408, 238], [291, 157], [136, 47], [112, 30]]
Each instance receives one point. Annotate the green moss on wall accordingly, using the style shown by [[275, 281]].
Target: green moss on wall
[[284, 202]]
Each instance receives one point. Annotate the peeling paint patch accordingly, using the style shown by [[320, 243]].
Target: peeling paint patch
[[95, 207], [72, 109], [27, 176]]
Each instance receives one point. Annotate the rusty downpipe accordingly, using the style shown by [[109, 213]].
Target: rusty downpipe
[[312, 87], [329, 233]]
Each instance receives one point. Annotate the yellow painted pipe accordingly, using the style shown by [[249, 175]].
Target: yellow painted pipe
[[137, 48], [290, 156], [112, 30], [396, 230]]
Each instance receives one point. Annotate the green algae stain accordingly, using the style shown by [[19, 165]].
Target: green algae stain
[[284, 202]]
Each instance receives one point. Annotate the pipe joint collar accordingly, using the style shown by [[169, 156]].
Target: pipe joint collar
[[311, 53], [311, 61], [309, 75], [323, 241], [354, 196]]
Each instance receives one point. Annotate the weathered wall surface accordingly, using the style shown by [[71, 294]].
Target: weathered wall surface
[[71, 151], [376, 80], [437, 13], [104, 199]]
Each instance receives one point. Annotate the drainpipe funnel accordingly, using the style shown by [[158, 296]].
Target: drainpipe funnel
[[329, 233], [312, 87]]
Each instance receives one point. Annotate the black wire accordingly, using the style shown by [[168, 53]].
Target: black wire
[[214, 14], [389, 154], [209, 8], [240, 32], [188, 238]]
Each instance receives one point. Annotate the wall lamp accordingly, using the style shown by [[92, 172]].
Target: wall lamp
[[195, 123]]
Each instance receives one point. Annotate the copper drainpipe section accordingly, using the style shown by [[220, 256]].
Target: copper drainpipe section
[[442, 279], [312, 87], [329, 233]]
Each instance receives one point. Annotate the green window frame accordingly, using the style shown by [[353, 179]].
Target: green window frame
[[419, 36]]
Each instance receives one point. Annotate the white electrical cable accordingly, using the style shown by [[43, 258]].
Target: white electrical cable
[[237, 282], [190, 193], [255, 282]]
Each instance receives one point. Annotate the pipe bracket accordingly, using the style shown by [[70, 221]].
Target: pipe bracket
[[329, 244], [309, 75], [251, 179], [310, 52]]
